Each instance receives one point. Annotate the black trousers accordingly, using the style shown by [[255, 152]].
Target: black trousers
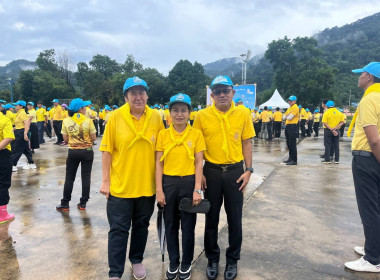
[[96, 123], [291, 132], [316, 128], [277, 129], [34, 138], [270, 130], [175, 188], [309, 128], [222, 186], [19, 147], [256, 126], [57, 125], [5, 176], [342, 130], [303, 129], [366, 173], [264, 127], [48, 129], [41, 130], [101, 127], [331, 145], [74, 158], [121, 213]]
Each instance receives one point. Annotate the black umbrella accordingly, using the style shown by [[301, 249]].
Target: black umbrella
[[161, 230]]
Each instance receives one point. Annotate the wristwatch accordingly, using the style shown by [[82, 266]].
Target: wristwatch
[[198, 191], [250, 169]]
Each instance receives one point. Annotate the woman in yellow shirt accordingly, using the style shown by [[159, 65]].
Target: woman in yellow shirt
[[179, 165], [79, 132], [6, 137], [34, 139], [21, 142]]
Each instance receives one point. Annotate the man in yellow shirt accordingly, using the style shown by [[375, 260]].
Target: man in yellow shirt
[[366, 167], [303, 118], [277, 123], [227, 131], [291, 118], [10, 113], [344, 123], [128, 147], [6, 137], [255, 119], [317, 119], [309, 121], [57, 116], [332, 119], [266, 128], [41, 121], [102, 114]]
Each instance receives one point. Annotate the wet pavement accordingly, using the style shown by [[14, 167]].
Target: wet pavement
[[299, 222]]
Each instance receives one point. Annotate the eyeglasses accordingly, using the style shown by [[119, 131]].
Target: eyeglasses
[[176, 111], [219, 91]]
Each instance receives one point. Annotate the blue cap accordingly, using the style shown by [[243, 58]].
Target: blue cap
[[2, 101], [115, 106], [31, 103], [156, 106], [92, 108], [292, 98], [299, 106], [76, 104], [221, 80], [7, 106], [55, 101], [20, 102], [237, 100], [180, 98], [134, 81], [270, 107], [255, 108], [341, 110], [307, 110], [107, 108], [151, 107], [49, 109], [195, 109], [373, 68], [330, 104], [166, 106], [316, 111]]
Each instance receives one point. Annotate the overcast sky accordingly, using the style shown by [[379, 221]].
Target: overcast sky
[[159, 33]]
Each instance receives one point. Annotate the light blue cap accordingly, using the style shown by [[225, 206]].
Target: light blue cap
[[115, 106], [270, 107], [107, 108], [221, 80], [92, 108], [166, 106], [237, 100], [330, 104], [373, 68], [316, 110], [2, 101], [307, 110], [20, 102], [55, 101], [292, 98], [7, 106], [180, 98], [134, 81], [76, 104], [299, 106], [156, 106], [195, 109], [341, 110], [31, 103], [49, 109], [151, 107], [255, 108]]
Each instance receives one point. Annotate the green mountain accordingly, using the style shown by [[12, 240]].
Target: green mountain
[[12, 70]]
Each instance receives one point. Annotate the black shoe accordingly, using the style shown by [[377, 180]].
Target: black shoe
[[184, 273], [64, 206], [286, 161], [291, 163], [171, 273], [212, 271], [82, 205], [322, 156], [231, 272]]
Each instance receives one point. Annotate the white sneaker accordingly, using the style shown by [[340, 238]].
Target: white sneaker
[[32, 166], [359, 250], [362, 265], [14, 169], [26, 166]]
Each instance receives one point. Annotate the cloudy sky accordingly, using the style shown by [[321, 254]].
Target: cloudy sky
[[160, 32]]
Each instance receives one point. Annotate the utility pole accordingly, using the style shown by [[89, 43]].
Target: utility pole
[[11, 84], [349, 102], [245, 58]]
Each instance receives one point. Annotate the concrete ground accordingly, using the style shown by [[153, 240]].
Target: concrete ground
[[299, 222]]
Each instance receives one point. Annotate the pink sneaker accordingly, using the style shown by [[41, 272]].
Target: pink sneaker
[[4, 216], [138, 271]]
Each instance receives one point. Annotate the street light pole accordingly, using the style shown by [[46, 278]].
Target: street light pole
[[11, 83]]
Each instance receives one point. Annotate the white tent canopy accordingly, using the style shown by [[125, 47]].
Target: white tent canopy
[[275, 101]]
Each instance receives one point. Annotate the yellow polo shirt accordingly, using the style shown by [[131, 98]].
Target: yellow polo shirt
[[57, 113], [303, 115], [332, 117], [162, 113], [368, 114], [65, 114], [132, 170], [317, 117], [255, 116], [51, 113], [344, 117], [177, 162], [309, 116], [265, 117], [6, 130], [293, 110], [10, 115], [21, 116], [41, 112], [167, 117], [277, 116], [78, 128], [101, 114], [192, 116], [224, 138], [32, 113]]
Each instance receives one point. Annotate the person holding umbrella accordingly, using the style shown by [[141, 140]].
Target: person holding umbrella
[[179, 165]]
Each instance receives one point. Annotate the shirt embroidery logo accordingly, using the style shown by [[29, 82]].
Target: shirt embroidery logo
[[137, 80], [153, 138], [220, 79], [236, 135], [190, 144], [180, 97]]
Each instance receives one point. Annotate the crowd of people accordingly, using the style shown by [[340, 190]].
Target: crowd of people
[[178, 154]]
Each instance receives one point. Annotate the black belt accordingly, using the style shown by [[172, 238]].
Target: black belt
[[362, 153], [224, 167]]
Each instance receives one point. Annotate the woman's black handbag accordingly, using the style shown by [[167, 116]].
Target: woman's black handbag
[[186, 205]]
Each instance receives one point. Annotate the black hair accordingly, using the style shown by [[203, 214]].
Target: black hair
[[39, 102], [171, 106], [278, 108], [265, 108], [3, 111], [325, 101], [376, 80], [71, 113]]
